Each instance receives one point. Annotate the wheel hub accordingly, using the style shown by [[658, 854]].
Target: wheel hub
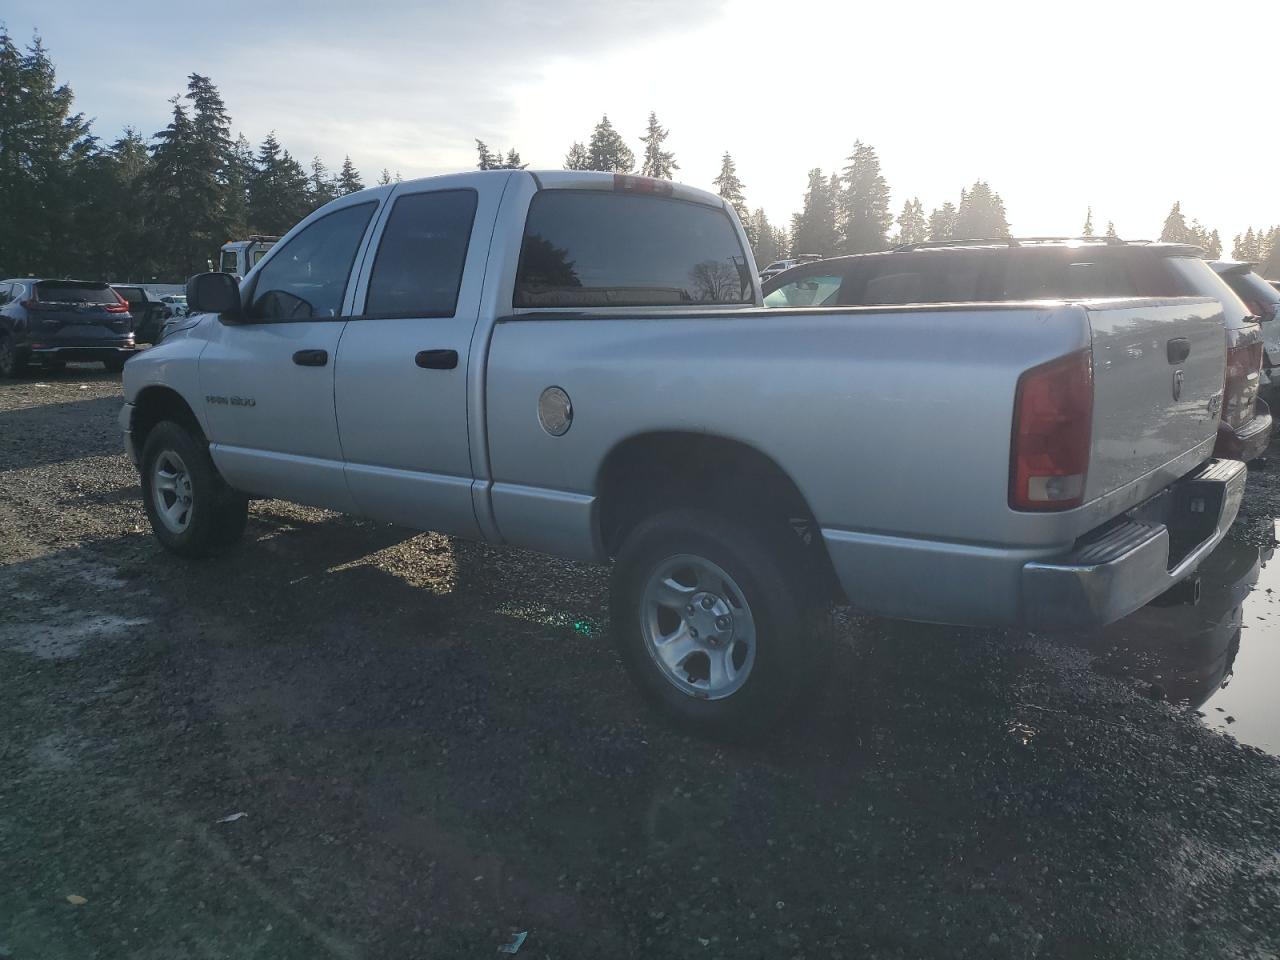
[[709, 618], [698, 627]]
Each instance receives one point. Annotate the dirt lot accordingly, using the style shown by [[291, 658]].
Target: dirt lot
[[435, 747]]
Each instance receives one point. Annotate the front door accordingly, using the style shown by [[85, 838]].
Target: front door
[[401, 379], [267, 383]]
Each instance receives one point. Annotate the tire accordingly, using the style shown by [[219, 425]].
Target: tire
[[114, 364], [177, 471], [750, 608], [11, 360]]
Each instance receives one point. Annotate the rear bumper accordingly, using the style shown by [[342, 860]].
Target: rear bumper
[[1249, 442], [82, 353], [1139, 556], [1100, 577]]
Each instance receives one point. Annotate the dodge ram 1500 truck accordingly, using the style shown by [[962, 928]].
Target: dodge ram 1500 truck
[[579, 363]]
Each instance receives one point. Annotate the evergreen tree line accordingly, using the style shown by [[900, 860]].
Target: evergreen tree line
[[1261, 246], [161, 206], [138, 207]]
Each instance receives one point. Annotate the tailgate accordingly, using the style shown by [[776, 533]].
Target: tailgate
[[1158, 371]]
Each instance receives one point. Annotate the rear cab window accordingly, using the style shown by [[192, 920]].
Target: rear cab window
[[594, 248]]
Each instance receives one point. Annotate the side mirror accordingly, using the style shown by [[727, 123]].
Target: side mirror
[[215, 293]]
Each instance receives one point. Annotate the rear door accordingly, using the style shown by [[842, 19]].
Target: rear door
[[401, 385], [77, 311], [268, 382]]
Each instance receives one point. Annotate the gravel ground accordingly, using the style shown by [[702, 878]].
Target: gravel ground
[[434, 746]]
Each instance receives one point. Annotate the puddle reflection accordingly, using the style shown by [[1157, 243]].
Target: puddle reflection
[[1221, 656]]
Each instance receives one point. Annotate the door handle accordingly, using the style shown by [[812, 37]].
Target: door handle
[[311, 358], [437, 359], [1178, 349]]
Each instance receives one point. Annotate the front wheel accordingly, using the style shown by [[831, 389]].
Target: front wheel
[[192, 510], [716, 622]]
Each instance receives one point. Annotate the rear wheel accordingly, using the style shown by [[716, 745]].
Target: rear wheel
[[192, 510], [717, 623]]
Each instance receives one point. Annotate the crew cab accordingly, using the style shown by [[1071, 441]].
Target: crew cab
[[579, 363], [1038, 268]]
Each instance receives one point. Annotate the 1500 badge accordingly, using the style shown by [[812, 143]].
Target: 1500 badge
[[231, 401]]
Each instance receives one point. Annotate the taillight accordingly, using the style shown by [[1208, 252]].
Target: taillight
[[1052, 426], [1240, 392]]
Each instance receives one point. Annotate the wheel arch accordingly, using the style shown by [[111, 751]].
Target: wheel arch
[[155, 404], [658, 470]]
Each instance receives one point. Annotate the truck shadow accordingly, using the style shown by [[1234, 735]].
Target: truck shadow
[[440, 735]]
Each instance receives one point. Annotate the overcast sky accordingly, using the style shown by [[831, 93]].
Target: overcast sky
[[1122, 105]]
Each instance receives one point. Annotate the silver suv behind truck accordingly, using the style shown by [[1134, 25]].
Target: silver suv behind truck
[[968, 271], [578, 363]]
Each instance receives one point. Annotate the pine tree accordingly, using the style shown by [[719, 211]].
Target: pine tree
[[1246, 247], [577, 158], [384, 178], [484, 159], [1087, 231], [169, 199], [349, 178], [730, 189], [320, 186], [813, 230], [771, 242], [1175, 226], [942, 222], [912, 226], [512, 161], [279, 191], [608, 151], [658, 163], [43, 150], [865, 219], [239, 174], [981, 214], [1111, 229]]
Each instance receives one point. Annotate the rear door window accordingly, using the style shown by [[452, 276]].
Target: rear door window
[[904, 278], [592, 248], [418, 269], [1058, 274]]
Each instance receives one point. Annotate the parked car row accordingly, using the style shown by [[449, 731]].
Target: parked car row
[[987, 271], [51, 322]]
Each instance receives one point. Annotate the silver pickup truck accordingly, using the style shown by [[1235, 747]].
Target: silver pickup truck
[[578, 363]]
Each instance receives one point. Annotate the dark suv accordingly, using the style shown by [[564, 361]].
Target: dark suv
[[987, 271], [54, 321], [149, 312]]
